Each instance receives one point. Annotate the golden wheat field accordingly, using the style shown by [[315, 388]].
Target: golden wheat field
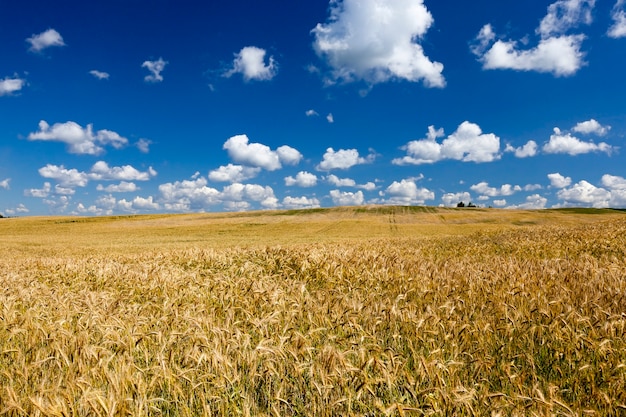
[[388, 311]]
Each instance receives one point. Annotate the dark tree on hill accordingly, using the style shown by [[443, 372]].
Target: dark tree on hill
[[461, 204]]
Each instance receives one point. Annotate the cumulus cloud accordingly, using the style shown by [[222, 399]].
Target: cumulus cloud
[[532, 202], [194, 194], [258, 155], [559, 181], [618, 14], [10, 85], [68, 179], [79, 140], [155, 68], [5, 183], [122, 187], [141, 203], [300, 202], [39, 192], [614, 182], [591, 127], [233, 173], [484, 189], [45, 40], [556, 52], [585, 194], [288, 155], [561, 142], [344, 198], [406, 192], [188, 195], [99, 74], [65, 177], [349, 182], [377, 41], [250, 62], [340, 182], [617, 186], [237, 196], [343, 159], [20, 209], [101, 171], [468, 144], [302, 179], [452, 199], [526, 151]]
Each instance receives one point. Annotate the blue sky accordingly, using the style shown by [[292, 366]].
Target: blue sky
[[120, 107]]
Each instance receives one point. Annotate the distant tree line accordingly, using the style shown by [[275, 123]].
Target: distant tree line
[[462, 204]]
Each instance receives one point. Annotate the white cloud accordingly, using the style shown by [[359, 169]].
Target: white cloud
[[340, 182], [532, 187], [5, 183], [342, 198], [122, 187], [586, 194], [78, 139], [259, 155], [484, 189], [68, 179], [368, 186], [564, 15], [250, 62], [533, 202], [235, 194], [618, 14], [300, 202], [188, 194], [99, 74], [452, 199], [342, 159], [233, 173], [330, 118], [311, 113], [591, 127], [60, 190], [406, 192], [65, 177], [102, 171], [376, 41], [143, 145], [617, 186], [467, 144], [559, 181], [302, 179], [21, 208], [555, 53], [45, 40], [566, 143], [614, 182], [288, 155], [155, 68], [526, 151], [195, 195], [9, 86], [141, 203], [39, 192], [559, 55], [499, 203]]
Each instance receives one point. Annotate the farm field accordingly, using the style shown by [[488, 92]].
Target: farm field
[[368, 311]]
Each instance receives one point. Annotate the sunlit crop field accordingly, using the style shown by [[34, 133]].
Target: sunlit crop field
[[362, 312]]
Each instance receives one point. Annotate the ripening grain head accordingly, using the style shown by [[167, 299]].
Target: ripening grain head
[[511, 321]]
